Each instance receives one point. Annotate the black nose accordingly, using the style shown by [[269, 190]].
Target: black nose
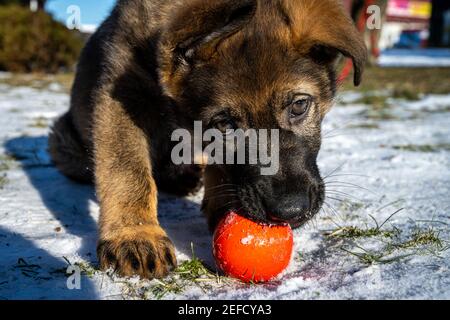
[[289, 207]]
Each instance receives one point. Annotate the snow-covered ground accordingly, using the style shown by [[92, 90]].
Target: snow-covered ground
[[415, 58], [399, 156]]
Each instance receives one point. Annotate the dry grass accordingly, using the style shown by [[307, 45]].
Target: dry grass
[[423, 147], [189, 273], [39, 80], [40, 123], [394, 247], [406, 83], [3, 180]]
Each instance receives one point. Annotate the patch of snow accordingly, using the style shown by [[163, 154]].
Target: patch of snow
[[47, 220], [5, 75], [247, 240], [88, 28], [415, 58]]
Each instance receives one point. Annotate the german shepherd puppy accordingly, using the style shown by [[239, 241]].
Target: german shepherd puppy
[[155, 66]]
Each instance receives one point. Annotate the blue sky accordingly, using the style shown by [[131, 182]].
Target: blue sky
[[92, 11]]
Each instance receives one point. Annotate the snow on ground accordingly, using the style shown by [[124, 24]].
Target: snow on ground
[[399, 156], [415, 58]]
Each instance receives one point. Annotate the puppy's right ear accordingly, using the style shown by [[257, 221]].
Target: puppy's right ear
[[194, 33], [323, 28]]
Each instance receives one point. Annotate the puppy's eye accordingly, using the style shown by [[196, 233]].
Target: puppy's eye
[[300, 106], [225, 125]]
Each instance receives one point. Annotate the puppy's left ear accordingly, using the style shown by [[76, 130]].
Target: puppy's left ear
[[323, 27], [194, 33]]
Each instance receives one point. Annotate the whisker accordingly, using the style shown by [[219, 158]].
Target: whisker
[[341, 127], [332, 209], [329, 206], [330, 131], [338, 199], [337, 135], [238, 209], [313, 223], [334, 222], [346, 174], [221, 191], [221, 186], [340, 193], [349, 184], [218, 196], [339, 186], [335, 170], [322, 210]]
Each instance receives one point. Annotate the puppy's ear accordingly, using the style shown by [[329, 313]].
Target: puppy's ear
[[322, 28], [195, 31]]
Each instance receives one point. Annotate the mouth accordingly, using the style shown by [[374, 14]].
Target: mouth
[[248, 203], [264, 217], [294, 223], [257, 211]]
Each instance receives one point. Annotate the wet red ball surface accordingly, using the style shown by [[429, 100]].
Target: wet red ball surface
[[250, 251]]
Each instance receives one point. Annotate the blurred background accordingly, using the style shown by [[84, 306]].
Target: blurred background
[[46, 36]]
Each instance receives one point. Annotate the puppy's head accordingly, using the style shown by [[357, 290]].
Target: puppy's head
[[248, 64]]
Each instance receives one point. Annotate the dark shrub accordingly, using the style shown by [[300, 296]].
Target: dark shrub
[[34, 41]]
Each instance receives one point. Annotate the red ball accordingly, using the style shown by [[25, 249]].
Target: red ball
[[250, 251]]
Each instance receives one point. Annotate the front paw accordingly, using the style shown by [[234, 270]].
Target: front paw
[[142, 250]]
